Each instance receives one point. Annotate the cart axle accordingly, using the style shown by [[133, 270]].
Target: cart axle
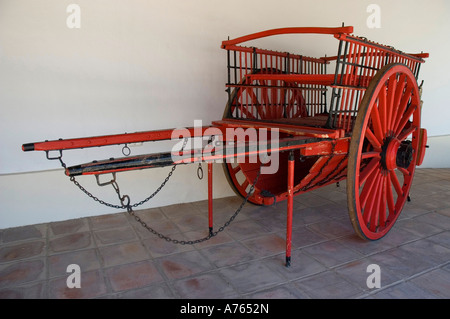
[[396, 154]]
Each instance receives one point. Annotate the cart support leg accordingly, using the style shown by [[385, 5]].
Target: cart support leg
[[290, 205], [210, 197]]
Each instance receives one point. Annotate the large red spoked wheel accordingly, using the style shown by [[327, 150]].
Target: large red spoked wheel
[[383, 151], [266, 99], [263, 100]]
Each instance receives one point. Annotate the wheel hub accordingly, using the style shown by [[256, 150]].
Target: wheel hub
[[396, 154], [405, 154]]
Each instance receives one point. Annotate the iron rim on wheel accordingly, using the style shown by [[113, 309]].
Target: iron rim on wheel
[[383, 151]]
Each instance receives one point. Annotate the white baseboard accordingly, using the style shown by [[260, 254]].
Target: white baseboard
[[438, 153]]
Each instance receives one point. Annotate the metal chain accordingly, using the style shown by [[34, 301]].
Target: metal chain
[[125, 204], [122, 198], [125, 199], [211, 233]]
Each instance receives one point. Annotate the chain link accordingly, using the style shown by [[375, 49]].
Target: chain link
[[126, 204], [211, 233]]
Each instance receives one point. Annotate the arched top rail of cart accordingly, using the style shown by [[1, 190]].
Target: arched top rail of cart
[[341, 33], [294, 30]]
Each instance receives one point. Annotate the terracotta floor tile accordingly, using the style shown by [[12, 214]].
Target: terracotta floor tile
[[150, 215], [156, 291], [207, 286], [158, 247], [356, 273], [132, 276], [24, 233], [108, 221], [429, 250], [227, 254], [441, 239], [87, 259], [165, 227], [266, 245], [180, 210], [31, 291], [399, 261], [302, 265], [68, 227], [92, 286], [333, 228], [437, 220], [250, 277], [302, 237], [436, 282], [114, 235], [331, 253], [218, 239], [114, 255], [404, 290], [245, 229], [191, 222], [21, 251], [328, 285], [12, 274], [418, 227], [287, 291], [183, 264], [71, 242]]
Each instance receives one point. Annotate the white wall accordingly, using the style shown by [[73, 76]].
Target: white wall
[[143, 65]]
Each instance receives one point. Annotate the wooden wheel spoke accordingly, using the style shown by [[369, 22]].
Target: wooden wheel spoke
[[247, 113], [255, 103], [392, 85], [298, 110], [402, 106], [390, 195], [373, 164], [377, 200], [404, 171], [383, 200], [376, 123], [236, 169], [245, 184], [368, 203], [290, 106], [264, 101], [373, 139], [368, 187], [382, 107], [399, 92], [401, 124], [396, 183], [274, 95], [409, 130], [372, 154]]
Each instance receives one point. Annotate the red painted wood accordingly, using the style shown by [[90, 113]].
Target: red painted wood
[[298, 30], [290, 206]]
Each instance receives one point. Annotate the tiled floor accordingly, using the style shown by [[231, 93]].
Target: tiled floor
[[118, 258]]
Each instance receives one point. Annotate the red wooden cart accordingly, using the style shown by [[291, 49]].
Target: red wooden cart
[[361, 122]]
